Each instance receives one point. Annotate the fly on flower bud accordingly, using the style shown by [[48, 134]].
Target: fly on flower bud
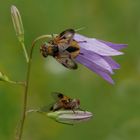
[[62, 102]]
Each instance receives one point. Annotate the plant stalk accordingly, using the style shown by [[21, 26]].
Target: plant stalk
[[19, 130], [24, 50]]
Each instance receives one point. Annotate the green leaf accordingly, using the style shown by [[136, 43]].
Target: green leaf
[[4, 77]]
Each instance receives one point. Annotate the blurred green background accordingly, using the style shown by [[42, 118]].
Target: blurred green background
[[116, 107]]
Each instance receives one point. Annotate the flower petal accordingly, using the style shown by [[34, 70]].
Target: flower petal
[[92, 66], [114, 45], [96, 46], [113, 64], [97, 60]]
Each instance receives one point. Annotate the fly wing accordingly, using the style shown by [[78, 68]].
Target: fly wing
[[65, 59], [57, 95], [67, 62], [65, 38], [51, 107], [55, 105], [47, 108], [67, 34]]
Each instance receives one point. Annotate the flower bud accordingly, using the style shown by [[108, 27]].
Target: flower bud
[[17, 22], [3, 77], [70, 117]]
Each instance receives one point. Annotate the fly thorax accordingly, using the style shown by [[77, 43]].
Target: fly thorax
[[75, 103], [55, 50], [46, 49]]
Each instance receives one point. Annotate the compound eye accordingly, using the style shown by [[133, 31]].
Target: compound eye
[[43, 50]]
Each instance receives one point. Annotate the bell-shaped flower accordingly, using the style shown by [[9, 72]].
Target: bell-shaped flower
[[96, 55]]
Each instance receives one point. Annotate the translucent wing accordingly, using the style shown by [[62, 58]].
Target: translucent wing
[[57, 95], [65, 38], [65, 59], [67, 34], [47, 108], [51, 107], [55, 105]]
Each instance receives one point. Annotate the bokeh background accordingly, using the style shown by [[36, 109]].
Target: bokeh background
[[116, 107]]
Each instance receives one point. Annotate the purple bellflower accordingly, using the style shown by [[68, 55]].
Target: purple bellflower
[[69, 47], [96, 55]]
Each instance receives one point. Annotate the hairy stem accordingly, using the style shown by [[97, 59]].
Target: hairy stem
[[21, 124], [23, 117], [24, 50], [16, 82]]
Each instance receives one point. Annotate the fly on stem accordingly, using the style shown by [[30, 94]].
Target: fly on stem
[[19, 29]]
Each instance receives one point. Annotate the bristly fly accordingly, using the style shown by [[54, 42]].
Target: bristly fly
[[63, 48], [62, 102]]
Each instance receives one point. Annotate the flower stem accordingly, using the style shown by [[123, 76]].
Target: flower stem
[[25, 51], [19, 130], [17, 82], [21, 124]]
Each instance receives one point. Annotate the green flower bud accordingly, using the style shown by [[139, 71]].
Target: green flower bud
[[17, 22], [70, 117], [3, 77]]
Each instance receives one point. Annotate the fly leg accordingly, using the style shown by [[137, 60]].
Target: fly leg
[[82, 110], [82, 41], [73, 110], [53, 35]]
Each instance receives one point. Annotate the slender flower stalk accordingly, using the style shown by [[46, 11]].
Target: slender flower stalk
[[25, 51], [19, 29], [19, 130]]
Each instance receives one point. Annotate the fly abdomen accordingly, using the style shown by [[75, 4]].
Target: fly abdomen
[[71, 49]]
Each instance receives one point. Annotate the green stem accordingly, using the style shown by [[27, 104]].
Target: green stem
[[16, 82], [32, 110], [25, 51], [23, 117]]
